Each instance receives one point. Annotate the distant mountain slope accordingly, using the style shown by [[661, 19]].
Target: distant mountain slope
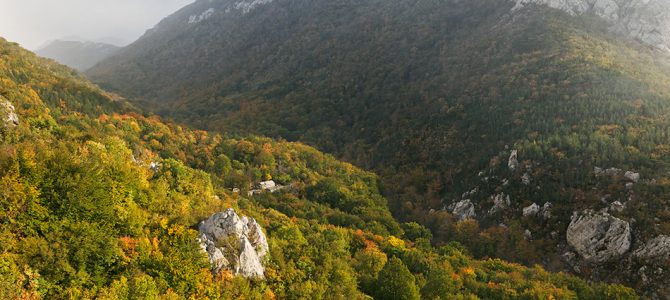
[[436, 96], [76, 54], [647, 21]]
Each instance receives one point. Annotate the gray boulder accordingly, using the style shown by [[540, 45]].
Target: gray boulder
[[598, 236], [531, 210], [8, 114], [655, 249], [617, 206], [233, 243], [464, 209], [513, 161], [546, 210], [525, 179], [500, 203], [632, 176]]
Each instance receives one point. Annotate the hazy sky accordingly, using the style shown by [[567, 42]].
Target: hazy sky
[[33, 22]]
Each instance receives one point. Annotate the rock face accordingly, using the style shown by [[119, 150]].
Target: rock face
[[632, 176], [598, 236], [531, 210], [513, 161], [646, 21], [500, 203], [546, 210], [655, 249], [235, 244], [464, 210], [8, 114]]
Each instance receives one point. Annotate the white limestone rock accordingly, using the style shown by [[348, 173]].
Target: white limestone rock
[[613, 172], [513, 161], [546, 210], [525, 179], [500, 203], [247, 6], [194, 19], [528, 235], [646, 21], [234, 243], [266, 185], [617, 206], [598, 237], [8, 114], [632, 176], [531, 210], [464, 210], [655, 249]]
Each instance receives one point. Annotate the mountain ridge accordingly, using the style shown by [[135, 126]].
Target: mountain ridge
[[99, 201], [435, 97], [77, 54], [647, 21]]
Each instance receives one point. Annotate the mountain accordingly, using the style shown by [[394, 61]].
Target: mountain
[[646, 21], [100, 201], [491, 112], [76, 54]]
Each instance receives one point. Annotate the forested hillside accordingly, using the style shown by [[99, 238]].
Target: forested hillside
[[99, 201], [435, 96]]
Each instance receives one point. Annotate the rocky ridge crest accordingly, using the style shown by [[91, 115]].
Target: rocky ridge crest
[[646, 21]]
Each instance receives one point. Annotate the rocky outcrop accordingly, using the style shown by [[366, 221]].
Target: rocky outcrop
[[464, 209], [546, 210], [598, 237], [8, 114], [531, 210], [655, 249], [513, 161], [536, 210], [632, 176], [500, 203], [233, 243], [617, 206], [646, 21]]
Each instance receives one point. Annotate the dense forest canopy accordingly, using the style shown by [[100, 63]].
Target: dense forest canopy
[[434, 96], [100, 201]]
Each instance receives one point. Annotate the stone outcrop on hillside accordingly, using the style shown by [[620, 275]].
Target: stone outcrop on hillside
[[8, 114], [500, 203], [655, 249], [464, 209], [531, 210], [598, 236], [513, 161], [632, 176], [233, 243], [646, 21]]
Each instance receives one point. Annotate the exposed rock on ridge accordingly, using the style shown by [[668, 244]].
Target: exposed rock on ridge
[[464, 210], [647, 21], [235, 244], [8, 114], [598, 236], [657, 248]]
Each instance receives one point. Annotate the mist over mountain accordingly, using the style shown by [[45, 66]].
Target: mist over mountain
[[76, 54]]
